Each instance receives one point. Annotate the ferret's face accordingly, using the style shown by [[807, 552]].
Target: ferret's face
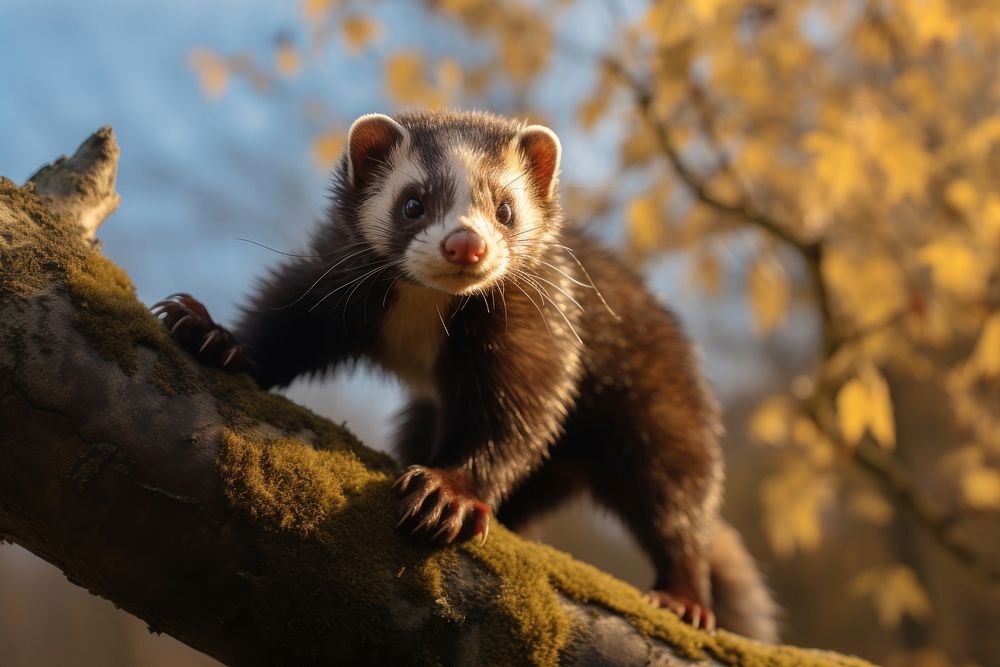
[[458, 208]]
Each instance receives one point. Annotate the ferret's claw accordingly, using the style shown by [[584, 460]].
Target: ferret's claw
[[449, 530], [190, 325], [485, 531], [403, 483], [177, 325], [209, 339], [431, 518], [399, 486], [415, 501], [410, 512], [452, 515], [689, 610]]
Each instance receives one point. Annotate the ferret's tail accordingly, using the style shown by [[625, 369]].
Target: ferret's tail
[[742, 602]]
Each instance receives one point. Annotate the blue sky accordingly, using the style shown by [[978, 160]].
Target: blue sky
[[195, 174]]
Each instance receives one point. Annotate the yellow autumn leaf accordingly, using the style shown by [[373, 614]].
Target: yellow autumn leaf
[[872, 44], [639, 147], [895, 591], [865, 405], [852, 410], [644, 225], [839, 167], [981, 138], [869, 506], [981, 488], [661, 22], [756, 157], [985, 359], [475, 80], [314, 9], [358, 32], [881, 421], [962, 195], [918, 88], [459, 7], [287, 60], [957, 268], [904, 162], [819, 450], [706, 272], [769, 294], [592, 109], [793, 501], [706, 10], [212, 70], [986, 220], [931, 20], [327, 147], [525, 46], [449, 75], [404, 77], [770, 422]]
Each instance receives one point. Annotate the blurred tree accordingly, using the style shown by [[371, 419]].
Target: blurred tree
[[856, 146]]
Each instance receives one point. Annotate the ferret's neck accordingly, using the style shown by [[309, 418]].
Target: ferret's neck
[[412, 333]]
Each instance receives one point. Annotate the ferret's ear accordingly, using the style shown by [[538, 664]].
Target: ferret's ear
[[369, 142], [541, 148]]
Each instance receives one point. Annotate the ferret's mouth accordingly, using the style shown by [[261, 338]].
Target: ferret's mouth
[[462, 281]]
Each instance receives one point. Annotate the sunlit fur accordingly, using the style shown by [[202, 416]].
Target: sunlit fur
[[474, 184], [547, 371], [401, 169]]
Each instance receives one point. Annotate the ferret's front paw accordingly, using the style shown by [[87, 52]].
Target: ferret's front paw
[[192, 327], [438, 505], [687, 608]]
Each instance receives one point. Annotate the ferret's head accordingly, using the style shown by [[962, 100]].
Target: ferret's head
[[460, 199]]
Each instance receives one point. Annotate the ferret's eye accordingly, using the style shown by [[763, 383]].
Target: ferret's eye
[[413, 208], [504, 213]]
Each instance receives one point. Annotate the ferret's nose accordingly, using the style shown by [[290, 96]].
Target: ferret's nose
[[463, 247]]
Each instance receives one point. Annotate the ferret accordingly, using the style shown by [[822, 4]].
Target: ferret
[[539, 365]]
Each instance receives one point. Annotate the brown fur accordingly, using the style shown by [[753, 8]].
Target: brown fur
[[566, 376]]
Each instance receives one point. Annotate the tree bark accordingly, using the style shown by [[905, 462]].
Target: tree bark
[[240, 523]]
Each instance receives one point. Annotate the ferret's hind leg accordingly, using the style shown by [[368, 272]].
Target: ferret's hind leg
[[667, 504]]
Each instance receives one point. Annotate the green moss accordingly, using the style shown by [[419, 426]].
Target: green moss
[[534, 575], [345, 509], [244, 405], [288, 486], [34, 241], [108, 313]]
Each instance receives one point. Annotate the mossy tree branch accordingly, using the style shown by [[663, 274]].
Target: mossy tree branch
[[243, 524]]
